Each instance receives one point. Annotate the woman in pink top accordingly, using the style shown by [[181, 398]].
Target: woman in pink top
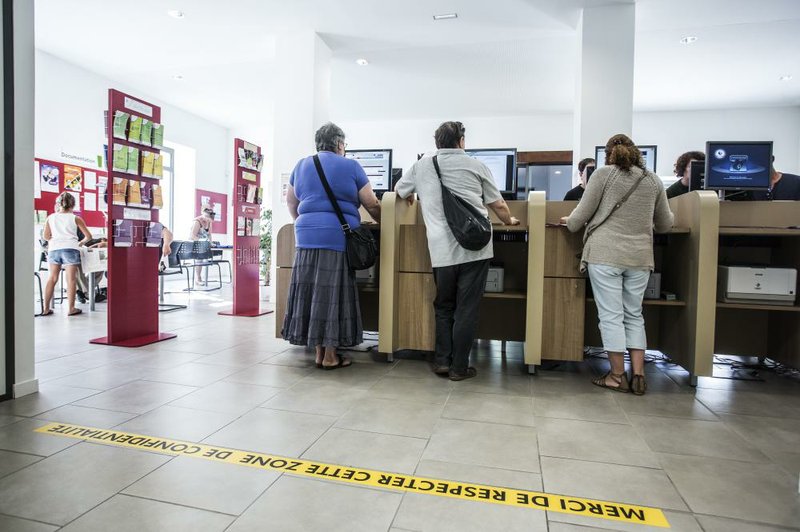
[[61, 233]]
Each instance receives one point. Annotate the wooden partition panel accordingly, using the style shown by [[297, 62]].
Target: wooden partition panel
[[534, 308]]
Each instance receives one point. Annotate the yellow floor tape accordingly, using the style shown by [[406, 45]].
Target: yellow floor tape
[[365, 477]]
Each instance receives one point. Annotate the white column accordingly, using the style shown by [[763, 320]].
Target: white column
[[302, 95], [604, 92]]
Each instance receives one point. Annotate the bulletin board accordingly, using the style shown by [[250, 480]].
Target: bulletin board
[[218, 202], [87, 184]]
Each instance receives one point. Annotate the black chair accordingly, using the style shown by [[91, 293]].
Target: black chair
[[41, 294], [43, 261], [174, 267], [218, 253], [201, 257]]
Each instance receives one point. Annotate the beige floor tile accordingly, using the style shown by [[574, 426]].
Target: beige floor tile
[[755, 492], [696, 438], [484, 444], [596, 442], [369, 450], [610, 482]]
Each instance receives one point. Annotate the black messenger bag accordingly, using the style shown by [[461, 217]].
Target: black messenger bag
[[360, 246], [469, 226]]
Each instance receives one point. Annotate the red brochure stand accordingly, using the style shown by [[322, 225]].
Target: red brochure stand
[[246, 201], [132, 270]]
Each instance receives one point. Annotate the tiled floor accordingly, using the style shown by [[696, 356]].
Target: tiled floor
[[724, 457]]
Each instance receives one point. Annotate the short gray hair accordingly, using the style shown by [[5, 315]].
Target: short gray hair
[[328, 137]]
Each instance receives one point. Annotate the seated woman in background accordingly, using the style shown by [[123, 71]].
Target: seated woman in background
[[682, 170], [61, 233], [322, 311]]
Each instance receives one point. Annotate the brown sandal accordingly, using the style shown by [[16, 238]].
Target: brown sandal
[[638, 385], [616, 377]]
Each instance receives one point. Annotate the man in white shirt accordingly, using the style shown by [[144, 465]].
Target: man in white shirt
[[460, 274]]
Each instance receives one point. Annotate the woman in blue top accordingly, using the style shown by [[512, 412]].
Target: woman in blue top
[[322, 309]]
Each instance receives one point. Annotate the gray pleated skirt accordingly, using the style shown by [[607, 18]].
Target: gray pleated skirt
[[322, 307]]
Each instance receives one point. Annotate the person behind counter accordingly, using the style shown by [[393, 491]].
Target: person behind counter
[[622, 205], [584, 168], [682, 168], [322, 311], [61, 233], [782, 186], [459, 274]]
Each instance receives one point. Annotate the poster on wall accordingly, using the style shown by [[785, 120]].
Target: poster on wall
[[50, 177], [73, 178], [77, 197], [284, 187], [102, 194], [90, 180], [37, 182]]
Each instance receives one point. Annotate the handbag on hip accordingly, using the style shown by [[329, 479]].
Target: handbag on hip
[[360, 247], [471, 229]]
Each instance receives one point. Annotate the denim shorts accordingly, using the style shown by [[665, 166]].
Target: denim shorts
[[65, 257]]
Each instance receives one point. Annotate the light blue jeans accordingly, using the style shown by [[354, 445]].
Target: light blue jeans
[[618, 293]]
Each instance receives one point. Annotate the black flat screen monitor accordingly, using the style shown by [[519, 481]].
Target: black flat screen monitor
[[738, 165], [502, 163], [648, 154], [697, 175], [378, 166], [589, 171]]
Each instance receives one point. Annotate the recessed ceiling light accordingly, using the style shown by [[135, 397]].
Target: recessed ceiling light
[[445, 16], [176, 13], [362, 62], [178, 77], [787, 77], [689, 39], [558, 172]]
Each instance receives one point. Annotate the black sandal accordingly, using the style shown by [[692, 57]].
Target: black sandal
[[638, 385], [47, 313], [616, 377], [341, 363]]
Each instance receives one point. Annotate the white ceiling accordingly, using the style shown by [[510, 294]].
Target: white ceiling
[[500, 57]]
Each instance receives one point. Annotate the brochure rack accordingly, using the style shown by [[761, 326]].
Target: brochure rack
[[133, 126], [246, 201]]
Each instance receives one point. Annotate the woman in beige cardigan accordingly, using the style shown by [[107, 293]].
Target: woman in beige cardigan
[[622, 205]]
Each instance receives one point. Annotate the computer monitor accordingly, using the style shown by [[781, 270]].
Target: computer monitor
[[697, 175], [589, 171], [648, 154], [738, 165], [397, 174], [502, 163], [378, 166]]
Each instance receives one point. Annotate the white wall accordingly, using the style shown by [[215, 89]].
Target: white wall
[[680, 131], [70, 102], [407, 138], [673, 133]]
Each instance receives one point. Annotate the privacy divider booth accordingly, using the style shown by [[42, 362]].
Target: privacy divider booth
[[546, 301]]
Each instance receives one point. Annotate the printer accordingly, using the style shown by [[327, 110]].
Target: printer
[[495, 279], [753, 284]]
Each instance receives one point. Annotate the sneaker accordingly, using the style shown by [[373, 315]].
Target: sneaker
[[442, 371], [99, 298], [81, 296], [471, 372]]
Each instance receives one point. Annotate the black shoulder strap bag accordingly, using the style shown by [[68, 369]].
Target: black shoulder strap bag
[[469, 226], [360, 247]]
